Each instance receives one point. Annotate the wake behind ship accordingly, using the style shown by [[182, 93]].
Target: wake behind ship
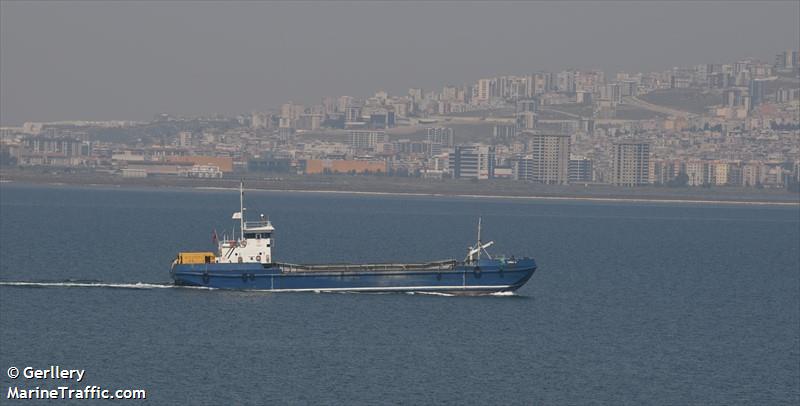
[[246, 262]]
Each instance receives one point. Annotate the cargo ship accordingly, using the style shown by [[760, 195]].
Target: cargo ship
[[245, 261]]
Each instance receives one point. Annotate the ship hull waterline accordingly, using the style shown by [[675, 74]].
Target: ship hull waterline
[[465, 279]]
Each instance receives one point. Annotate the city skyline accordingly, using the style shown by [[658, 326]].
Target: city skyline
[[707, 125], [84, 73]]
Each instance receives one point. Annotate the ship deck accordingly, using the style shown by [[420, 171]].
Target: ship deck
[[447, 265]]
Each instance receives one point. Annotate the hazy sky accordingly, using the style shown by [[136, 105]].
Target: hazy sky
[[128, 61]]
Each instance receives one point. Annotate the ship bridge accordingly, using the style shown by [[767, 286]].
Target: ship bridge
[[255, 239], [258, 229]]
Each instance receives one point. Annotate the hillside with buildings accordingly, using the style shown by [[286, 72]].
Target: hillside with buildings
[[733, 125]]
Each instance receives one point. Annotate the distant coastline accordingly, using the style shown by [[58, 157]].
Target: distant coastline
[[384, 186], [569, 198]]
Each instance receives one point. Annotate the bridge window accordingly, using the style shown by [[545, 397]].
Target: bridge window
[[256, 235]]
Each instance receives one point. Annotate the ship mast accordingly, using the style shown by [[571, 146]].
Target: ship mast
[[479, 238], [241, 209], [474, 253]]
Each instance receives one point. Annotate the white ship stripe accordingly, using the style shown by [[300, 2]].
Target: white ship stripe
[[391, 288]]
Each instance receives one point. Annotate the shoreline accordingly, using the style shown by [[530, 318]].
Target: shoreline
[[556, 198], [343, 187]]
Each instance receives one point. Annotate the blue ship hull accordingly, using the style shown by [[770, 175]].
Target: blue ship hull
[[482, 277]]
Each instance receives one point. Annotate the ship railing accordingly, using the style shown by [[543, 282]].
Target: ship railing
[[257, 224], [429, 266]]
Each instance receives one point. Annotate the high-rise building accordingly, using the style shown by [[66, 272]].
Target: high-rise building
[[412, 147], [291, 112], [543, 82], [381, 95], [666, 171], [472, 162], [783, 94], [583, 97], [185, 139], [45, 144], [737, 97], [756, 91], [259, 120], [580, 169], [485, 90], [526, 120], [352, 114], [504, 131], [381, 118], [789, 59], [449, 93], [415, 94], [400, 107], [308, 121], [752, 174], [444, 136], [720, 173], [629, 87], [613, 92], [343, 102], [284, 133], [566, 81], [547, 160], [367, 139], [697, 173], [631, 164], [719, 80], [796, 171]]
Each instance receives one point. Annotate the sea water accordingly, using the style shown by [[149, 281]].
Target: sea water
[[632, 303]]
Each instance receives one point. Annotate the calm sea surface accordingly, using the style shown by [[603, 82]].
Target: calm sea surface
[[632, 303]]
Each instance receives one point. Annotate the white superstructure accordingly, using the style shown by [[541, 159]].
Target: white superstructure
[[254, 243]]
